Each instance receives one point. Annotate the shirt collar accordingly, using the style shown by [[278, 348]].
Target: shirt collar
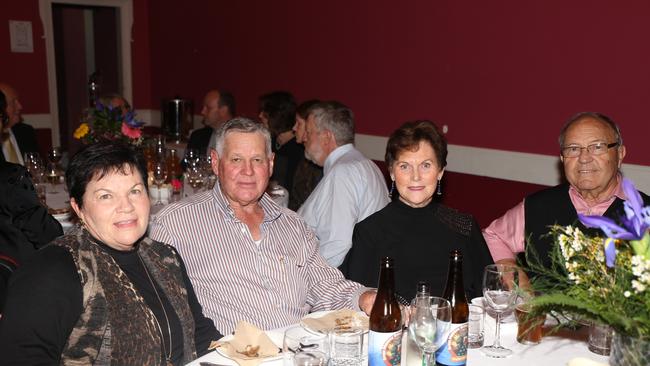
[[335, 155], [271, 209], [583, 208]]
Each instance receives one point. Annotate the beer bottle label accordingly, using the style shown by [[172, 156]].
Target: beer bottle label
[[454, 350], [384, 348]]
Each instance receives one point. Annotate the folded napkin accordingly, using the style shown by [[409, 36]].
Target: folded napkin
[[337, 320], [249, 346]]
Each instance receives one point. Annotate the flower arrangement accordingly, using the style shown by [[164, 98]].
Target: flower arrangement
[[603, 279], [105, 122]]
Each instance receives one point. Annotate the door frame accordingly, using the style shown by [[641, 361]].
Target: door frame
[[125, 22]]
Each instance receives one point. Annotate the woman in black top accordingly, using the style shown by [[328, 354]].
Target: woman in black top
[[104, 293], [415, 231]]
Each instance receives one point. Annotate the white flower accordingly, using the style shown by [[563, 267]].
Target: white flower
[[638, 286], [627, 294]]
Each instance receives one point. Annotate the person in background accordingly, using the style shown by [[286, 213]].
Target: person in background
[[591, 152], [25, 224], [218, 108], [414, 230], [249, 258], [352, 187], [278, 114], [104, 294], [307, 174], [16, 136]]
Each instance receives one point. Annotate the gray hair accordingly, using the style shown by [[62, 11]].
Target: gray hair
[[595, 115], [245, 125], [336, 118]]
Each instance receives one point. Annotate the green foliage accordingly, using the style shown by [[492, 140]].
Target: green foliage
[[578, 283]]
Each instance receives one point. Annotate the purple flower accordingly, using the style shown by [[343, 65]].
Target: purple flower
[[129, 119], [634, 227], [636, 222], [610, 252], [99, 106]]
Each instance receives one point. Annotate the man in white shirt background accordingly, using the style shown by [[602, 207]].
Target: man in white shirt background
[[352, 187]]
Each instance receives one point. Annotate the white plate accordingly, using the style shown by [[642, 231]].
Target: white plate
[[319, 314], [62, 216], [272, 335]]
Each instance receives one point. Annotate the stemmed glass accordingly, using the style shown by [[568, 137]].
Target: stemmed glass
[[34, 166], [429, 321], [191, 155], [300, 347], [195, 176], [159, 176], [53, 173], [499, 290]]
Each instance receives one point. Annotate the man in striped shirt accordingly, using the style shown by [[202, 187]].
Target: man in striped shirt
[[248, 258]]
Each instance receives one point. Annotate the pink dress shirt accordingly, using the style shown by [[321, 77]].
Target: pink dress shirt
[[505, 235]]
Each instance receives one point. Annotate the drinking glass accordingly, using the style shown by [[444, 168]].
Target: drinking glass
[[191, 155], [346, 347], [429, 321], [159, 176], [195, 176], [55, 155], [34, 166], [303, 347], [53, 177], [499, 290]]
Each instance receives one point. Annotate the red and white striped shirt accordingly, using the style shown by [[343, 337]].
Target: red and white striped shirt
[[271, 284]]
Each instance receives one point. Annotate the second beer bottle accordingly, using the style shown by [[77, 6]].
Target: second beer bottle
[[454, 350], [385, 336]]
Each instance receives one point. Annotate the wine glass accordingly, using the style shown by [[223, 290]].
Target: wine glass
[[159, 176], [34, 166], [191, 155], [53, 177], [195, 176], [53, 172], [499, 290], [55, 155], [429, 322]]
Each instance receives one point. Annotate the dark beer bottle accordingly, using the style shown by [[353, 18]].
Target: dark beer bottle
[[385, 336], [454, 350]]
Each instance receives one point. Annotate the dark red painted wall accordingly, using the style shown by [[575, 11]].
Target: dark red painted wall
[[501, 74], [26, 72]]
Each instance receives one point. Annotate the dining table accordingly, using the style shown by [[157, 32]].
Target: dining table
[[556, 349]]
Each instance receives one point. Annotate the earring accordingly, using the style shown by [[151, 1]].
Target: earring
[[392, 189], [439, 190]]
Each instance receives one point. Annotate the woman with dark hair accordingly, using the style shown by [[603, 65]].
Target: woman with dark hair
[[278, 113], [25, 224], [414, 230], [105, 293]]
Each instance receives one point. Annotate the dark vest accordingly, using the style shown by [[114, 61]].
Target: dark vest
[[553, 206], [116, 326]]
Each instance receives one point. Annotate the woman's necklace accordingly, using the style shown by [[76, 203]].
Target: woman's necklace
[[168, 354]]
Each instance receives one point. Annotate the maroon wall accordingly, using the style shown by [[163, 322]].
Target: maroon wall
[[501, 75], [27, 72]]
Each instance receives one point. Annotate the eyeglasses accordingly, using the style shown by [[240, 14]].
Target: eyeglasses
[[598, 148]]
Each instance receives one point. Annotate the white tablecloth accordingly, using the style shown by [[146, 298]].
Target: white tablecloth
[[556, 350]]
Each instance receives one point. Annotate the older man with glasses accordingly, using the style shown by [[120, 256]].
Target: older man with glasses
[[591, 152]]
